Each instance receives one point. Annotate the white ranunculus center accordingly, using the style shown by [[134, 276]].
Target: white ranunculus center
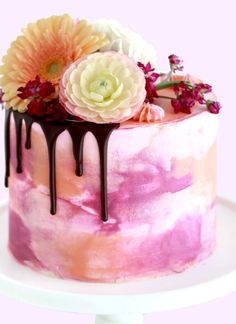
[[101, 88]]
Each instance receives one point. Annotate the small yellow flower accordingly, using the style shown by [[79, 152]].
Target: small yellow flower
[[46, 49]]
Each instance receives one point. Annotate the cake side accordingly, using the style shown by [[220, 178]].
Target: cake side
[[161, 203]]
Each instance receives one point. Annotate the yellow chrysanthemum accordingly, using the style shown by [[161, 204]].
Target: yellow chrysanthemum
[[45, 49]]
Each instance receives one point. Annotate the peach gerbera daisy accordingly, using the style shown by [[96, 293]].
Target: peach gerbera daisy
[[45, 49]]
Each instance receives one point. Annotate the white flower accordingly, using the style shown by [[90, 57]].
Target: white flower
[[103, 88], [125, 41]]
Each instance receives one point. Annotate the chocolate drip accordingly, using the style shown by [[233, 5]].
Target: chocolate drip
[[7, 145], [102, 133], [28, 125], [18, 125], [77, 131], [51, 133]]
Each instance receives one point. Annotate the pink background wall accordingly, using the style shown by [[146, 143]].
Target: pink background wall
[[203, 34]]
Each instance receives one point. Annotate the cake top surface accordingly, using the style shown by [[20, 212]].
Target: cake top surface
[[100, 72]]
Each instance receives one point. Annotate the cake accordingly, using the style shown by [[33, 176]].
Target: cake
[[110, 165]]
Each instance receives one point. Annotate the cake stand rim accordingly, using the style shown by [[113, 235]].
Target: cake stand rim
[[118, 303]]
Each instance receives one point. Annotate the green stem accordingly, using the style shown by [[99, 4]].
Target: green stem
[[171, 83], [166, 84], [165, 97]]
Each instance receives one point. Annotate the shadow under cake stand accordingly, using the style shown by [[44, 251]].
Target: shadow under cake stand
[[125, 303]]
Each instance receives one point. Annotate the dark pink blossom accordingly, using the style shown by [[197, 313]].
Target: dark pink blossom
[[45, 89], [213, 106], [184, 102], [49, 111], [188, 95], [174, 59], [151, 78], [181, 86], [199, 90], [203, 87], [146, 68], [36, 88], [175, 63], [185, 97], [40, 105], [36, 107], [55, 111], [30, 89], [1, 95]]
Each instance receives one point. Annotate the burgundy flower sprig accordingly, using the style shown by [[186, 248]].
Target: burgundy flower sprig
[[41, 103], [175, 63], [187, 95], [151, 78], [1, 95], [36, 89]]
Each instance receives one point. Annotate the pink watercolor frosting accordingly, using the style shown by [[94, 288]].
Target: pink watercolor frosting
[[161, 202]]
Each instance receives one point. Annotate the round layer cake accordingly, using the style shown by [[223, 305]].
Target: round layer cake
[[160, 200]]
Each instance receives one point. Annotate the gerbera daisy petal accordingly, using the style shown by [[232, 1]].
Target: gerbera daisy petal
[[45, 49]]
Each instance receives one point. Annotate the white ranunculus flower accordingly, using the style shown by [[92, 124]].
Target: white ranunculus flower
[[103, 88], [125, 41]]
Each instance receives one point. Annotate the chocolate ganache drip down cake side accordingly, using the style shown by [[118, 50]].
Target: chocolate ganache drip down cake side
[[110, 163]]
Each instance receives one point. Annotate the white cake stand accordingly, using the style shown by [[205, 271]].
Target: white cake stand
[[124, 303]]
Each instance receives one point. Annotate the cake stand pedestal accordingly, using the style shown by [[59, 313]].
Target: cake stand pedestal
[[125, 303]]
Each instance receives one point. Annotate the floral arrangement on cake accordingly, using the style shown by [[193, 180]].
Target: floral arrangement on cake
[[100, 72]]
